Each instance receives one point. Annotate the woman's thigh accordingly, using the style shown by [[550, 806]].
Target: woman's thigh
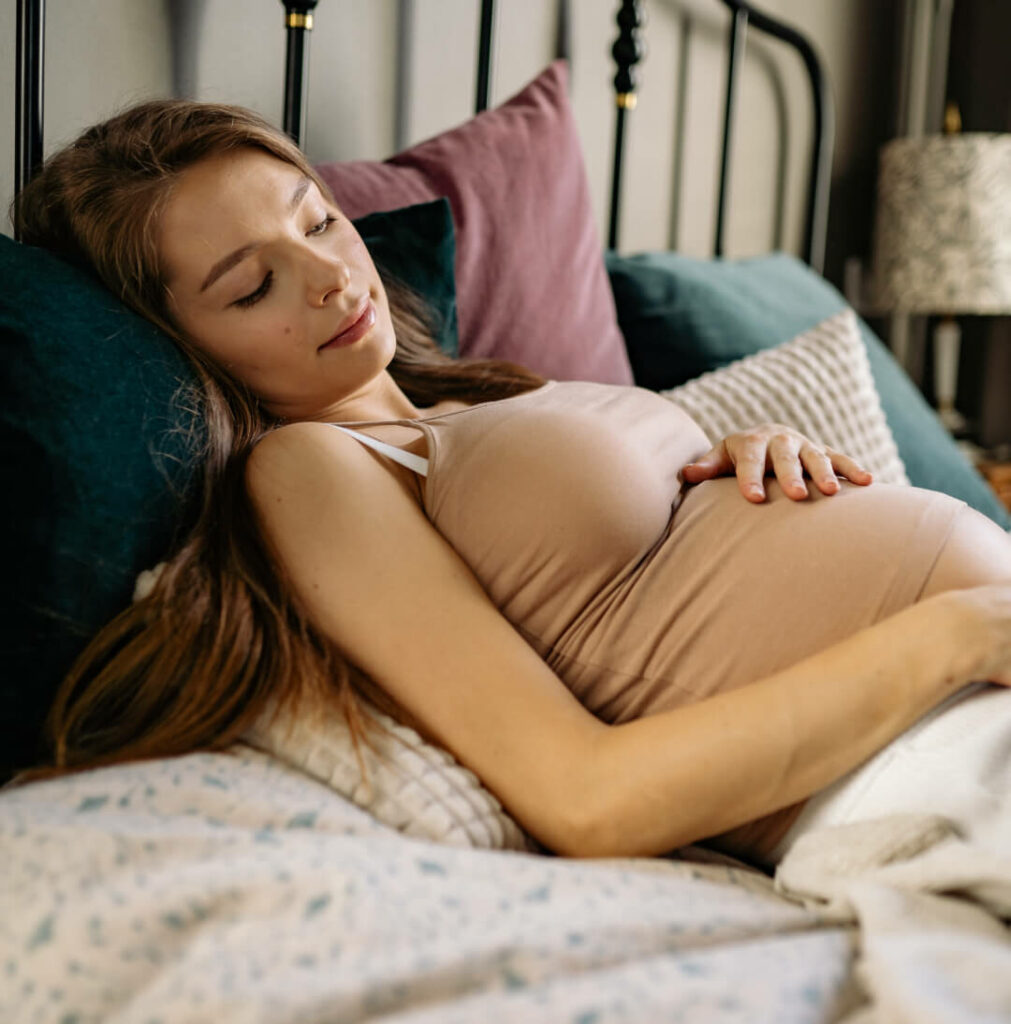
[[977, 552]]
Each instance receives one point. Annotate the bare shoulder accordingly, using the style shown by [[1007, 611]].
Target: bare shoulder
[[315, 489], [315, 458], [295, 447]]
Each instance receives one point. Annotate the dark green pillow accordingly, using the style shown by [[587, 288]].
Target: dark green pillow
[[86, 418], [416, 244], [98, 465], [682, 317]]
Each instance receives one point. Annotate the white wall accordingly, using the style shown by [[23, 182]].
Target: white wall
[[102, 54]]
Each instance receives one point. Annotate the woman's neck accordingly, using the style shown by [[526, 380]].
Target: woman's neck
[[380, 399]]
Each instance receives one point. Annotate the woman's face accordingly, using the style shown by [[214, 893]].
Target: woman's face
[[274, 284]]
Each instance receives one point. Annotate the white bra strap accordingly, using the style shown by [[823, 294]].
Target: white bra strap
[[408, 459]]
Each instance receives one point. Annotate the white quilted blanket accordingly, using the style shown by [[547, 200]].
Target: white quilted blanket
[[932, 907], [230, 887]]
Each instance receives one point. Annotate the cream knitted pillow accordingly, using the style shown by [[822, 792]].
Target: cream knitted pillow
[[820, 383], [410, 785]]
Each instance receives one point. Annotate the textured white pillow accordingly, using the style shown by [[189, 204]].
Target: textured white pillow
[[819, 383], [411, 785]]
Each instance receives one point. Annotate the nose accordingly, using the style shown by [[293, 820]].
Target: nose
[[326, 275]]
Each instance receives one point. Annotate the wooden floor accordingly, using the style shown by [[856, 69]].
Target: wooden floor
[[998, 475]]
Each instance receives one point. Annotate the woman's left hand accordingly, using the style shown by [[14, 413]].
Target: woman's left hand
[[781, 450]]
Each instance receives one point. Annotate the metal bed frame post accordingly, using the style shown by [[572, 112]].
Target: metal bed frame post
[[484, 55], [28, 102], [563, 30], [298, 21], [816, 220], [405, 73], [627, 52], [485, 46], [735, 51]]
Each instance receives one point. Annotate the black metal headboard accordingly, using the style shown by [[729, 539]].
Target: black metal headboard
[[627, 52], [30, 64]]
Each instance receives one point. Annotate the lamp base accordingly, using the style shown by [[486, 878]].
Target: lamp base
[[947, 345], [953, 420]]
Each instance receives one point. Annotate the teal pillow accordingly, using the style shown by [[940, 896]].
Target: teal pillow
[[99, 467], [416, 245], [682, 317]]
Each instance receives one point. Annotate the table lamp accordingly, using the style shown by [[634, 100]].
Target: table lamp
[[942, 238]]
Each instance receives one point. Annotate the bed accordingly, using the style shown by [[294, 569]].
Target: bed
[[272, 881]]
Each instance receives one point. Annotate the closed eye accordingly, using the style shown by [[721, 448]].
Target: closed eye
[[250, 300], [254, 297]]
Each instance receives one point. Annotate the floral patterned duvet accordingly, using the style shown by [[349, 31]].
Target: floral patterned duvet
[[229, 887]]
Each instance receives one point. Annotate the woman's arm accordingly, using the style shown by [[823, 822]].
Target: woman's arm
[[740, 755], [395, 597]]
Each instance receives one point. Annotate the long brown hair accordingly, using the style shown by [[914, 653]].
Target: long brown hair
[[221, 637]]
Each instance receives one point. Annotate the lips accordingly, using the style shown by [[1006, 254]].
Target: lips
[[357, 325]]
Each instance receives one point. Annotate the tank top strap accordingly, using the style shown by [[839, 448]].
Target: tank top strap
[[413, 462]]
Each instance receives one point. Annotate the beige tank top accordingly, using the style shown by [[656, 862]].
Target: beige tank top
[[643, 594], [555, 497]]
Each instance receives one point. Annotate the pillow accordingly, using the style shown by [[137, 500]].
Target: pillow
[[416, 245], [98, 472], [411, 785], [820, 383], [92, 437], [682, 317], [530, 278]]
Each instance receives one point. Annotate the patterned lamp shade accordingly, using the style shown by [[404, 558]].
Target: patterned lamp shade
[[943, 227]]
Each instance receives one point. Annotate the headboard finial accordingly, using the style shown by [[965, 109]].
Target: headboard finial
[[627, 51]]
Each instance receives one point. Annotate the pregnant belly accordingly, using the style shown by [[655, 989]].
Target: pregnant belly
[[738, 591], [741, 591]]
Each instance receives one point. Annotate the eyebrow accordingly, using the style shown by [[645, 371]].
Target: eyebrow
[[233, 258]]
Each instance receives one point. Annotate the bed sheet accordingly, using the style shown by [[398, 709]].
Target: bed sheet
[[230, 887]]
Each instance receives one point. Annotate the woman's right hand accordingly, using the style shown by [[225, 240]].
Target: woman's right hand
[[983, 632]]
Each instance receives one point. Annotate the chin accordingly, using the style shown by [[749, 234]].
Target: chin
[[385, 339], [389, 350]]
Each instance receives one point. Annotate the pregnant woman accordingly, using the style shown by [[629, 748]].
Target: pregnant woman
[[634, 640]]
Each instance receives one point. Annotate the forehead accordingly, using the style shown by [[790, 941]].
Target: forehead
[[219, 204]]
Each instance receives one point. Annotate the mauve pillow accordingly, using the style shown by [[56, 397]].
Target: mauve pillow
[[530, 278]]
